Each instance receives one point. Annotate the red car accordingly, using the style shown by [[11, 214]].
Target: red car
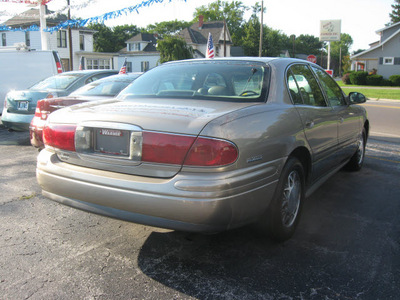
[[101, 89]]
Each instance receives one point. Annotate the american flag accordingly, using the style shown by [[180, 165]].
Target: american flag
[[81, 64], [210, 47], [123, 68]]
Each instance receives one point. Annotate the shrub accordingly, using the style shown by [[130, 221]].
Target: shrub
[[395, 79], [358, 78], [374, 80], [346, 78], [386, 82]]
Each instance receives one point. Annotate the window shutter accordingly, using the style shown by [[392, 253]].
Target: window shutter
[[397, 60], [381, 60]]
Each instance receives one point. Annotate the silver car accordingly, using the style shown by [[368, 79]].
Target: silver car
[[206, 145]]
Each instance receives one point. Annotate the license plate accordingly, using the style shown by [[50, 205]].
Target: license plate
[[22, 105], [112, 141]]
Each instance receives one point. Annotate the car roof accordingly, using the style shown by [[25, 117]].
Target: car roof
[[120, 77], [88, 72], [266, 60]]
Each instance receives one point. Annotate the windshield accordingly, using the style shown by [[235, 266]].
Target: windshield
[[102, 88], [55, 82], [215, 80]]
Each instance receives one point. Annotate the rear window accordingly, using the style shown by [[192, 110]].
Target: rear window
[[55, 82], [215, 80], [102, 88]]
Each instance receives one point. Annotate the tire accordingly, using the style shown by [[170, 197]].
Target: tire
[[357, 160], [281, 218]]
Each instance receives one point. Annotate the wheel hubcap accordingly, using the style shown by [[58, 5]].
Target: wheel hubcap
[[291, 199], [360, 151]]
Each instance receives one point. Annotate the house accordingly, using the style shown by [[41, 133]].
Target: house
[[383, 55], [140, 53], [82, 41], [196, 36]]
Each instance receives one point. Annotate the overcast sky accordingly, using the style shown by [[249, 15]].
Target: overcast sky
[[360, 18]]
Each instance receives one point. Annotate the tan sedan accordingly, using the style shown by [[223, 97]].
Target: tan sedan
[[206, 145]]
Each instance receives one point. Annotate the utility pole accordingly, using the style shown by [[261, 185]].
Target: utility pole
[[261, 29], [71, 64], [43, 25]]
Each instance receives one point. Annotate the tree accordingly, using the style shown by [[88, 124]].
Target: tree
[[274, 42], [250, 39], [108, 39], [308, 44], [395, 14], [173, 48], [358, 51], [122, 33], [232, 12], [168, 27], [103, 38], [340, 47]]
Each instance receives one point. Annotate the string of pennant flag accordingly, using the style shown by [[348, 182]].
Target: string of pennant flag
[[82, 23]]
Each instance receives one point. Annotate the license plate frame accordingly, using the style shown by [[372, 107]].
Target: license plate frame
[[112, 142], [23, 105]]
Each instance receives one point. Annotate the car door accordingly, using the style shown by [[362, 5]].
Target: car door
[[348, 119], [319, 119]]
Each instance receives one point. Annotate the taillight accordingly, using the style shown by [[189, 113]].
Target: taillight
[[211, 153], [59, 67], [51, 95], [187, 150], [59, 136], [42, 109], [165, 148]]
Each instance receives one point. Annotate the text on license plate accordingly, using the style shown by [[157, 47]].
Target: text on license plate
[[23, 105]]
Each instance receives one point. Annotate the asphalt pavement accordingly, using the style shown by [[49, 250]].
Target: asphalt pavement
[[347, 245]]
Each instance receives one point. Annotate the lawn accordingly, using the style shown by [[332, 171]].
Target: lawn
[[375, 92]]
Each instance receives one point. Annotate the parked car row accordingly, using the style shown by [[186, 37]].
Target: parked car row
[[105, 88], [19, 106], [204, 145]]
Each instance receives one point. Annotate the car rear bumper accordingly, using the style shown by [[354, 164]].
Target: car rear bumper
[[200, 202], [18, 122]]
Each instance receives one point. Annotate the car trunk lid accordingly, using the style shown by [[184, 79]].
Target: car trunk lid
[[148, 138]]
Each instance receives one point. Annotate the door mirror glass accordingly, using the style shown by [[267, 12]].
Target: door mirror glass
[[356, 98]]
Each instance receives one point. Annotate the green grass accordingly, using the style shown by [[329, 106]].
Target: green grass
[[376, 92]]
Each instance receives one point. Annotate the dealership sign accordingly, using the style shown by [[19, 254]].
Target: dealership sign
[[330, 30]]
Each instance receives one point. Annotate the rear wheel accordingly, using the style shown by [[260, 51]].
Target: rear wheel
[[283, 214], [357, 160]]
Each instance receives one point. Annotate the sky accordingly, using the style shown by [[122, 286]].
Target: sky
[[359, 18]]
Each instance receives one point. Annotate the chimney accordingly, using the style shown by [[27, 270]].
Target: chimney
[[201, 21]]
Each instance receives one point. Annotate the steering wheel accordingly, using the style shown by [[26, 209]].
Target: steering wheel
[[248, 93]]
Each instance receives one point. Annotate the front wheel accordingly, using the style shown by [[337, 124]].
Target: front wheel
[[357, 160], [281, 218]]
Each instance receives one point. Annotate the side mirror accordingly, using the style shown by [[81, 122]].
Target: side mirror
[[356, 98]]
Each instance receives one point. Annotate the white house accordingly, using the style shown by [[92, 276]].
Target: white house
[[140, 52], [383, 55]]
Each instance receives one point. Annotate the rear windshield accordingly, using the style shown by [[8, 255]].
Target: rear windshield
[[55, 82], [102, 88], [215, 80]]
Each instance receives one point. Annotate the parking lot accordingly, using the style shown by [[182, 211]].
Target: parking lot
[[347, 245]]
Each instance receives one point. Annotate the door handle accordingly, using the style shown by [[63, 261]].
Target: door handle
[[310, 124]]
